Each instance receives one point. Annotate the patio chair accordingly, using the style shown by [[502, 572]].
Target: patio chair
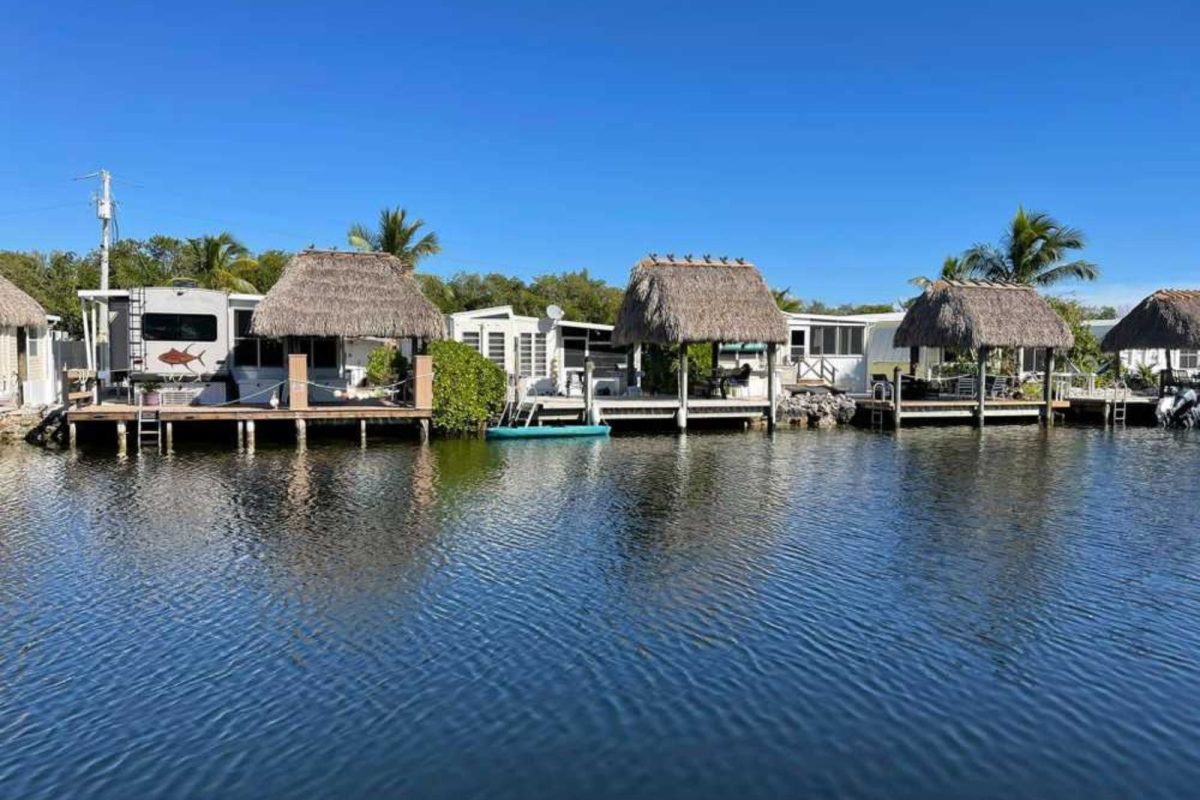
[[999, 387], [965, 386]]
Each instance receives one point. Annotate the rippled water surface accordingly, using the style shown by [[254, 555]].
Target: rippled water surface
[[725, 615]]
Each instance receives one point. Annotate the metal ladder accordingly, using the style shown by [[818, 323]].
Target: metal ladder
[[137, 342], [149, 426], [1120, 402], [879, 392]]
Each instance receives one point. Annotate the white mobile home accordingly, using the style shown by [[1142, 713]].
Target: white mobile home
[[543, 355]]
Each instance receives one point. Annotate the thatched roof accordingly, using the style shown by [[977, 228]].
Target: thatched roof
[[1169, 319], [671, 300], [968, 315], [17, 309], [333, 293]]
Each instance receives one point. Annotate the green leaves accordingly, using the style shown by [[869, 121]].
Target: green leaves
[[468, 390], [396, 235]]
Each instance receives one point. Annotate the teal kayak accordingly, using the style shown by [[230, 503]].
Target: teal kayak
[[546, 432]]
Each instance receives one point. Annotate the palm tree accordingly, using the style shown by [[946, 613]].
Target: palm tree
[[222, 262], [786, 301], [953, 269], [1032, 252], [396, 235]]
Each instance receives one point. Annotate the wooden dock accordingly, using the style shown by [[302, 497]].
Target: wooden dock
[[615, 410], [933, 410]]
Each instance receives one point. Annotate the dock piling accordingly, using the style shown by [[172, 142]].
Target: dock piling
[[897, 393], [1048, 389], [122, 443], [681, 418], [170, 431], [250, 435], [772, 383], [983, 354], [362, 433], [301, 431]]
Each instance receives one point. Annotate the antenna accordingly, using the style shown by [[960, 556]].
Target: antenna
[[104, 213]]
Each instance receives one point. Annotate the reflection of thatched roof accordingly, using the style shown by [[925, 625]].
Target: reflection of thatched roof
[[331, 293], [1168, 319], [971, 314], [672, 300], [18, 309]]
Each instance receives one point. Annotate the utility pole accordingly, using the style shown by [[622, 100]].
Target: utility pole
[[104, 214]]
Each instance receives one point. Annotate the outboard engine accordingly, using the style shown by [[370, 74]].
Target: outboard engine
[[1179, 411]]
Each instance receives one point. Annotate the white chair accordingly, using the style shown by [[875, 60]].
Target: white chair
[[965, 386]]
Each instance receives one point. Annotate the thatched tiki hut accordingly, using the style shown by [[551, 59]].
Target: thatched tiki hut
[[981, 315], [678, 302], [343, 295], [21, 320], [1167, 320]]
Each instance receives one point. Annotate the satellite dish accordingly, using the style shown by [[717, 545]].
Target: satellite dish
[[554, 312]]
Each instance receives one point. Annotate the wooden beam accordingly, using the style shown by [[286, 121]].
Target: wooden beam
[[681, 415], [1048, 388], [983, 354], [423, 382], [297, 381]]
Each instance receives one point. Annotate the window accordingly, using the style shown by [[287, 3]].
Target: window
[[179, 327], [495, 348], [31, 343], [250, 350], [322, 351], [531, 355], [798, 346], [1034, 359], [471, 339], [1188, 359], [837, 340]]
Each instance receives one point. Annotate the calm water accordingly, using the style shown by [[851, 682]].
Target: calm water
[[832, 613]]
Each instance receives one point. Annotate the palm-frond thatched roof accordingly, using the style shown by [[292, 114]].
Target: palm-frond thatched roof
[[669, 301], [1169, 319], [17, 309], [967, 315], [333, 293]]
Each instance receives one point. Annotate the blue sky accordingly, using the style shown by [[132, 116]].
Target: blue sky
[[844, 147]]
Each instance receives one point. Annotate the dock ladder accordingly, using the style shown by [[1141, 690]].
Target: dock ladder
[[879, 396], [149, 425], [1120, 403]]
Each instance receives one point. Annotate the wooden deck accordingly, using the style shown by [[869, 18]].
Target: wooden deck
[[363, 409], [650, 407], [952, 410]]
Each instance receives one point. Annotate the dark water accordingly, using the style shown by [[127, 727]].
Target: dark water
[[824, 614]]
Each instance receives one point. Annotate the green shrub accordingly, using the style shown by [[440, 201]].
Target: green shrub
[[468, 390], [385, 366]]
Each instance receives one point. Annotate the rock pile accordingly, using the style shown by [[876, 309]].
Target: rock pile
[[810, 410]]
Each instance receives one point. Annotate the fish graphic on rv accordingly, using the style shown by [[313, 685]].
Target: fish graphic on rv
[[182, 358]]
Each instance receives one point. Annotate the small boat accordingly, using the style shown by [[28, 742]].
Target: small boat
[[545, 432]]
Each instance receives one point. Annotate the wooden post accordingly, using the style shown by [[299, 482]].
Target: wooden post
[[897, 391], [423, 431], [631, 377], [682, 416], [983, 354], [423, 382], [716, 354], [297, 381], [301, 431], [241, 434], [1048, 390], [362, 432], [250, 435], [65, 387], [71, 434], [772, 386], [914, 360], [589, 393], [121, 438]]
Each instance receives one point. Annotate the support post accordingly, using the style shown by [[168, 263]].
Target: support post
[[423, 382], [301, 432], [423, 431], [72, 434], [772, 386], [631, 377], [589, 393], [982, 410], [681, 415], [241, 434], [1048, 390], [170, 426], [65, 387], [914, 360], [250, 435], [362, 432], [297, 381], [121, 438], [897, 392]]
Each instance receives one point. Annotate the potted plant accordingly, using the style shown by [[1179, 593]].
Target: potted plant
[[150, 395]]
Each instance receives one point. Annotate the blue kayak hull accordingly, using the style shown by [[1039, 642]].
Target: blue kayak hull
[[546, 432]]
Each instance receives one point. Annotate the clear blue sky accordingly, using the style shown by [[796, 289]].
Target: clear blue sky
[[843, 147]]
